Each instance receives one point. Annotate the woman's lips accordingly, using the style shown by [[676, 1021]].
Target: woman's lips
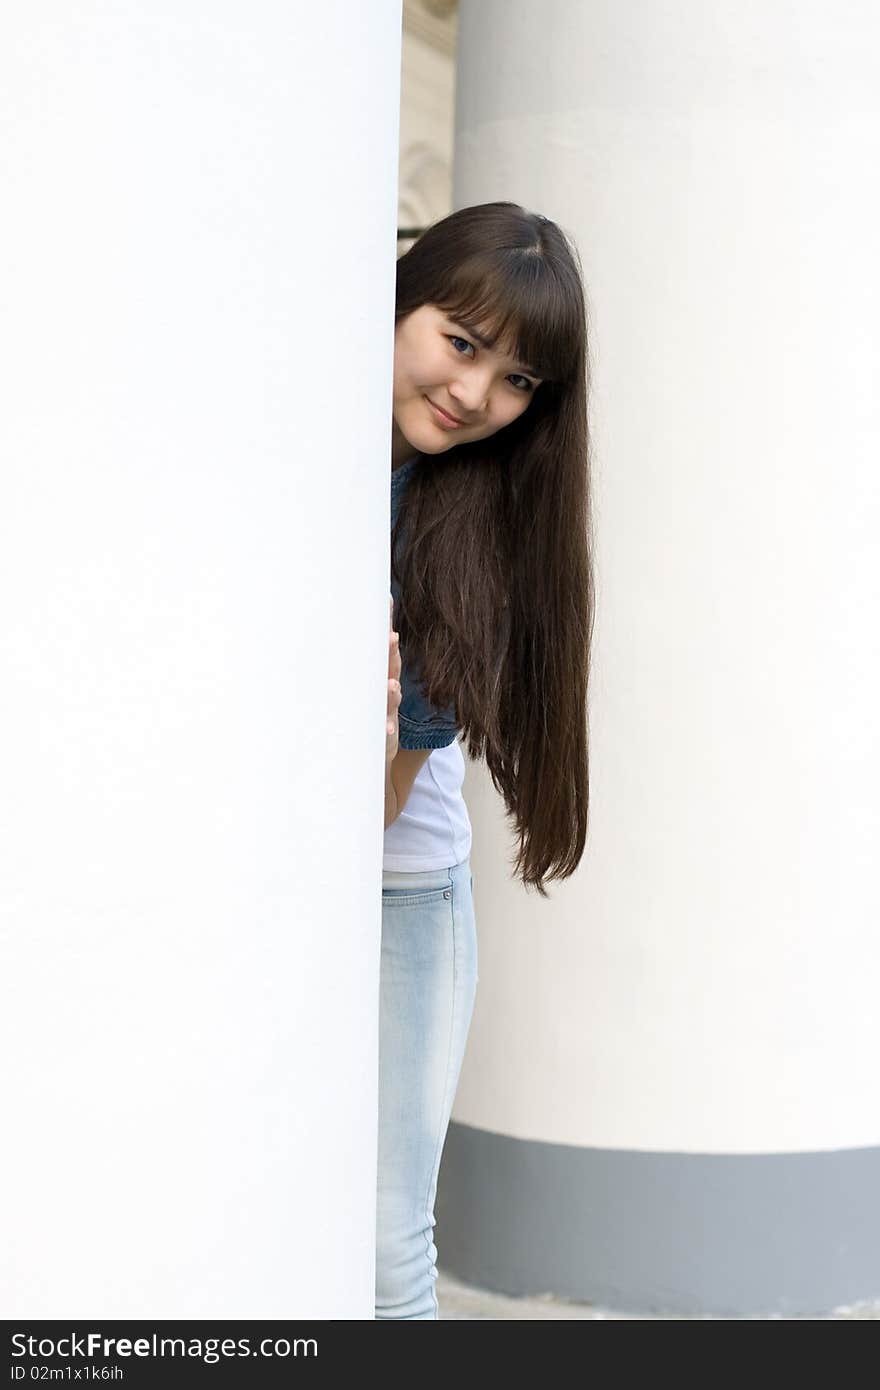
[[442, 418]]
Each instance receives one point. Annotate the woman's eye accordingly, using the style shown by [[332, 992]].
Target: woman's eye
[[526, 386]]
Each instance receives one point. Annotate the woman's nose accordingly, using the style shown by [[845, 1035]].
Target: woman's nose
[[472, 395]]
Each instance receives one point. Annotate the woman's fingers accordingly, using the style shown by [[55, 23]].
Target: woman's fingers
[[394, 663], [394, 690], [393, 703], [391, 724]]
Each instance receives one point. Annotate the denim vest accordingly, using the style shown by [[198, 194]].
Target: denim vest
[[420, 724]]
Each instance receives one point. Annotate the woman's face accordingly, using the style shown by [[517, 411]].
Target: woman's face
[[441, 366]]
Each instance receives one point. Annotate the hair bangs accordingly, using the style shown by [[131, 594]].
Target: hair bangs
[[520, 308]]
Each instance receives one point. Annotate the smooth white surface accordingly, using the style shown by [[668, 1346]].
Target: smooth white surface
[[197, 294], [707, 981]]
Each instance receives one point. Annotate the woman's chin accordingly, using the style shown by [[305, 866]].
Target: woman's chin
[[424, 443]]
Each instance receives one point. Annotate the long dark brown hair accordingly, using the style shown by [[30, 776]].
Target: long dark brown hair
[[496, 575]]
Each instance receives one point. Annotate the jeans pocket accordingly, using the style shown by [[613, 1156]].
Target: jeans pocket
[[406, 897]]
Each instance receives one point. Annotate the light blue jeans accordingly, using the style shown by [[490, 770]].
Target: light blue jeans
[[427, 988]]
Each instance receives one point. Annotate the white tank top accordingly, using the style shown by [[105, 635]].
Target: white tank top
[[433, 831]]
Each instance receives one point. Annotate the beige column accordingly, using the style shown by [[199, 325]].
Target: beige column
[[668, 1097]]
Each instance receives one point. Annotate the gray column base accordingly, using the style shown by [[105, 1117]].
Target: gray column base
[[723, 1234]]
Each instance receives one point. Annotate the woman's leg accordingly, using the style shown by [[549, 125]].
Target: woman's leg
[[428, 983]]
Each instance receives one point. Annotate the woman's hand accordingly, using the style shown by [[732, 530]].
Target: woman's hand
[[394, 693]]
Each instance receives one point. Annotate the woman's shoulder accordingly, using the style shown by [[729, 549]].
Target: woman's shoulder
[[399, 479], [400, 476]]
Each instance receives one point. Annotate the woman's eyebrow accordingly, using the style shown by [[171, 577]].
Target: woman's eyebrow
[[490, 343]]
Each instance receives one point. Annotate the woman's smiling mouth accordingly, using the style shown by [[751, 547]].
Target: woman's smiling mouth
[[442, 416]]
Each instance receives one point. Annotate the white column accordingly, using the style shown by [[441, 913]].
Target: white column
[[198, 257], [706, 985]]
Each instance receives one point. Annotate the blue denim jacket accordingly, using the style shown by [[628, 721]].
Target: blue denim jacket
[[420, 724]]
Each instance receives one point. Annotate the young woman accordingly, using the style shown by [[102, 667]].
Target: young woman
[[492, 619]]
